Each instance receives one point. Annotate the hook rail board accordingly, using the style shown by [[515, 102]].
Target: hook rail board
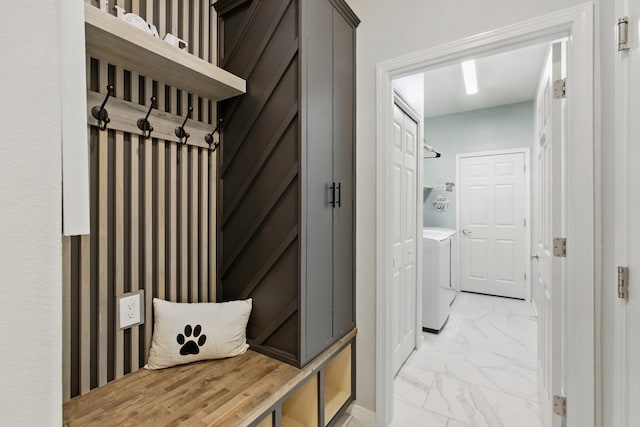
[[115, 40], [124, 116]]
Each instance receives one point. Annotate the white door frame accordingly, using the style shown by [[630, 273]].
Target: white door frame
[[404, 106], [527, 205], [577, 24]]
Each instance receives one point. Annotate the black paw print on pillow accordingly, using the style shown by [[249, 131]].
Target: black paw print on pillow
[[191, 346]]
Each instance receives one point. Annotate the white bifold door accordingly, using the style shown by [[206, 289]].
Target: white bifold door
[[405, 163], [492, 204]]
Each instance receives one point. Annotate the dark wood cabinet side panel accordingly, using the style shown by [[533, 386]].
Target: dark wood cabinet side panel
[[273, 230], [266, 22], [343, 160], [274, 294], [275, 172], [319, 173], [229, 27], [261, 130]]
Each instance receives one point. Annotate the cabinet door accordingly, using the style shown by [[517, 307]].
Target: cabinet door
[[343, 171], [317, 80]]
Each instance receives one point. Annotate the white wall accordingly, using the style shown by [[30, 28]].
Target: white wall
[[496, 128], [30, 219], [391, 29]]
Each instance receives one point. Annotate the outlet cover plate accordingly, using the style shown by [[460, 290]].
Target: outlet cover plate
[[130, 309]]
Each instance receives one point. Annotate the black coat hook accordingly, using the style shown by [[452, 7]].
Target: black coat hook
[[209, 137], [180, 132], [100, 113], [143, 124]]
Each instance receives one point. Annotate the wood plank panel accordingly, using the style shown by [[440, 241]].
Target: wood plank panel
[[193, 225], [148, 228], [184, 224], [173, 207], [203, 224], [134, 217], [103, 241], [213, 226], [152, 216], [205, 30], [119, 226]]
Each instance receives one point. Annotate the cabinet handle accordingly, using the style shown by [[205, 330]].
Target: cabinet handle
[[339, 195], [332, 187]]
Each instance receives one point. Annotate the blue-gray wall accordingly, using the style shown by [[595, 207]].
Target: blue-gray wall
[[496, 128]]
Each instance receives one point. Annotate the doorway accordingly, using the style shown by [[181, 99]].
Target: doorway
[[576, 23]]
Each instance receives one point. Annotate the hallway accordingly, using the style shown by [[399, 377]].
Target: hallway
[[480, 371]]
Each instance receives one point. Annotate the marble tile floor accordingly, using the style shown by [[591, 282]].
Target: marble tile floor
[[480, 371]]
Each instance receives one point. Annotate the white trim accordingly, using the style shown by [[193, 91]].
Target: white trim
[[578, 23], [361, 414], [620, 381], [527, 205]]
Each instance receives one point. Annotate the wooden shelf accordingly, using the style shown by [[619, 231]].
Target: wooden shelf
[[301, 408], [112, 39], [337, 383]]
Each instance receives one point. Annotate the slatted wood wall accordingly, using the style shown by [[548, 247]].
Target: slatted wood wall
[[153, 216]]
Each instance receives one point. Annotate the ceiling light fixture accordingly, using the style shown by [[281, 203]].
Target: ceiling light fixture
[[470, 78]]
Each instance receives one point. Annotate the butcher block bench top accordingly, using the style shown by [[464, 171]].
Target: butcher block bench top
[[227, 392]]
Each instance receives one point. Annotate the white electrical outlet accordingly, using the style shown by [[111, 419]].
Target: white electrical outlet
[[130, 309]]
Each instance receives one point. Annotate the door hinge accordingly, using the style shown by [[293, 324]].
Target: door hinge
[[525, 222], [560, 88], [623, 283], [623, 34], [525, 277], [560, 247], [560, 405]]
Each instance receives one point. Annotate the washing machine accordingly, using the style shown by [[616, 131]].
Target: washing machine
[[440, 276]]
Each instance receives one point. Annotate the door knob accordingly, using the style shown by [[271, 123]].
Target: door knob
[[536, 256], [466, 231]]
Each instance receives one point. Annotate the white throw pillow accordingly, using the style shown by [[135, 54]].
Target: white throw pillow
[[184, 333]]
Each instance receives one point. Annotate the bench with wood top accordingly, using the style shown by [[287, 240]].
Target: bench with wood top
[[247, 390]]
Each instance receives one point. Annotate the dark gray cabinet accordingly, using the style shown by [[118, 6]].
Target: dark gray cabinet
[[286, 172]]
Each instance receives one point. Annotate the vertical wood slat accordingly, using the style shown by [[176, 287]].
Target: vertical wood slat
[[195, 26], [174, 18], [66, 318], [119, 226], [193, 220], [184, 229], [103, 241], [162, 17], [213, 250], [173, 207], [148, 227], [134, 213], [204, 29], [173, 183], [84, 287], [204, 218], [160, 231]]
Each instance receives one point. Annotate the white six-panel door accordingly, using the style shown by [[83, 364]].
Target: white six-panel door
[[549, 207], [492, 204], [405, 162]]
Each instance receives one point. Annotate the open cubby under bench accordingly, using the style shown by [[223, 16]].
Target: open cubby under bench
[[247, 390]]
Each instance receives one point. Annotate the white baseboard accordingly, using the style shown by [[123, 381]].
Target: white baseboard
[[363, 415]]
